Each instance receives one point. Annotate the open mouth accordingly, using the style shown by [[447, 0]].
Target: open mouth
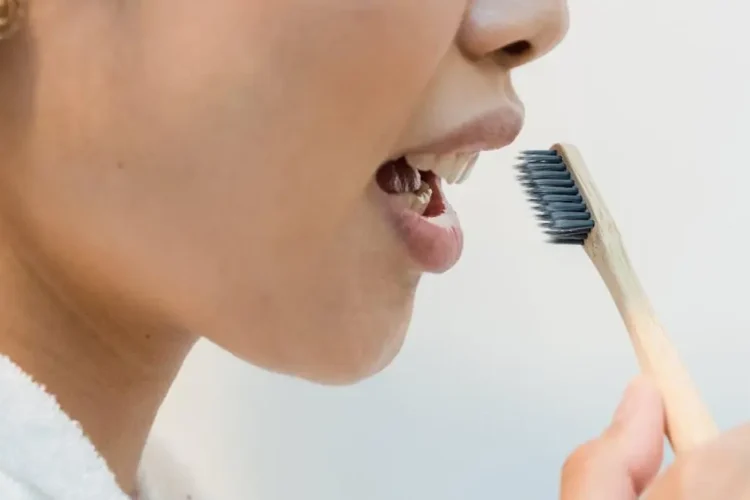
[[413, 199], [426, 222], [416, 179]]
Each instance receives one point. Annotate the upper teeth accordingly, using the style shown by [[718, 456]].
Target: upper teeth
[[454, 168]]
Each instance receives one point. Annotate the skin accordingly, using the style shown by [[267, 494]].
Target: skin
[[623, 463], [159, 159], [157, 183]]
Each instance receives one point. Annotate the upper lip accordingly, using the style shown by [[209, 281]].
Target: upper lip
[[493, 130]]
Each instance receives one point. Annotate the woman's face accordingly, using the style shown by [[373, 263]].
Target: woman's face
[[216, 166]]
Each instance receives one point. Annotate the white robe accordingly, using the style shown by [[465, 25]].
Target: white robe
[[44, 454]]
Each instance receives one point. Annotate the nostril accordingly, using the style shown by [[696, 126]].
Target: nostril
[[514, 54], [517, 49]]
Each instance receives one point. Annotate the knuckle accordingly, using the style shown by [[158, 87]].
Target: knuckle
[[581, 458]]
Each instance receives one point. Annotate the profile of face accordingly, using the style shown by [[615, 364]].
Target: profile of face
[[263, 173]]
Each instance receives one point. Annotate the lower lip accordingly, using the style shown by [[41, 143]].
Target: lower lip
[[435, 243]]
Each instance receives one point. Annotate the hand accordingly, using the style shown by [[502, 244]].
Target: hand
[[624, 461]]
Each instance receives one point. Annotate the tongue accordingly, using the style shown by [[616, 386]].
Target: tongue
[[397, 176]]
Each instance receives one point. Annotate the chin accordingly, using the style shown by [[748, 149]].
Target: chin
[[356, 361], [336, 332], [355, 347]]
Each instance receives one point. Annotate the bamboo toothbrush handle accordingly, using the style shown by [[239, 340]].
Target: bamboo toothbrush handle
[[688, 421]]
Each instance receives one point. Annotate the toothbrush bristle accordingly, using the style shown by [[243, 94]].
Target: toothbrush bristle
[[560, 208]]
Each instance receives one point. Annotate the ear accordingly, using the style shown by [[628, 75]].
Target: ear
[[11, 13]]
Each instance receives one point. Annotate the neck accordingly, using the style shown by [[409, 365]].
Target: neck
[[109, 375]]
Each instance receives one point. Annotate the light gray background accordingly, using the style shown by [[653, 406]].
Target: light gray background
[[518, 355]]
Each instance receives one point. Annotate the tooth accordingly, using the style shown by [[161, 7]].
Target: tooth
[[469, 167], [421, 198], [423, 162], [462, 163], [445, 167], [452, 168]]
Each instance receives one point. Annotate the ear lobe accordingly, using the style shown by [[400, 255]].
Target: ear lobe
[[11, 13]]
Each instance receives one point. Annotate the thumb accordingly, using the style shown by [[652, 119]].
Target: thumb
[[626, 457]]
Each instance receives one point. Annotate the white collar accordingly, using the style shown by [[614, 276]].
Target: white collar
[[44, 454]]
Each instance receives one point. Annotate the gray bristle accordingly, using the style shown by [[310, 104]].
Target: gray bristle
[[554, 195]]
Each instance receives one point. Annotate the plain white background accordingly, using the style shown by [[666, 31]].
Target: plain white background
[[518, 355]]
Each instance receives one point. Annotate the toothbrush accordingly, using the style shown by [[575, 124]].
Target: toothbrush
[[573, 212]]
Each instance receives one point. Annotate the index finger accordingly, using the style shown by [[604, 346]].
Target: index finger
[[625, 459]]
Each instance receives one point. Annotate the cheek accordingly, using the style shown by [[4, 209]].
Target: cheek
[[221, 134], [332, 78], [372, 56], [271, 98]]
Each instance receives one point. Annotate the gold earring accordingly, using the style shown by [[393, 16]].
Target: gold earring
[[11, 12]]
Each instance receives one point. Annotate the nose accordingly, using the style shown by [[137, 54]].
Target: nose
[[512, 32]]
